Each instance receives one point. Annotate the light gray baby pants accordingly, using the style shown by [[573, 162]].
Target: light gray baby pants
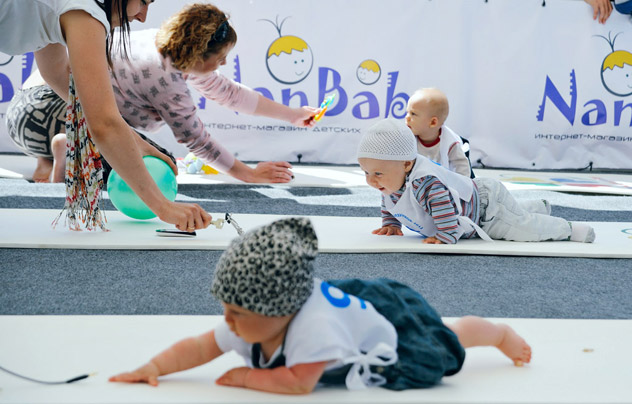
[[504, 218]]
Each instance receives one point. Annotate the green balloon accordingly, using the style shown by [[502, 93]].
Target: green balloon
[[128, 203]]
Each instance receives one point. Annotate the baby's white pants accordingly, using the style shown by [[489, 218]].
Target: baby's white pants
[[504, 218]]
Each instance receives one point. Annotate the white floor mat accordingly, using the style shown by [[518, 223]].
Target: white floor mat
[[574, 361], [304, 176], [30, 228], [353, 176], [613, 184], [15, 166]]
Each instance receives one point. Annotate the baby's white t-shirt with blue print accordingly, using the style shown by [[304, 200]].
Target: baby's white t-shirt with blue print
[[331, 326]]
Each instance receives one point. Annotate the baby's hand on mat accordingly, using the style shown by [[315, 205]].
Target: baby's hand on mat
[[388, 231], [235, 377], [432, 240], [146, 374], [601, 9]]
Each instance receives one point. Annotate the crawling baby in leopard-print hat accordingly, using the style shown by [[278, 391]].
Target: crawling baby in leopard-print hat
[[294, 330]]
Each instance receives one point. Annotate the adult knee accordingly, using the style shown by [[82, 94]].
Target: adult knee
[[58, 143]]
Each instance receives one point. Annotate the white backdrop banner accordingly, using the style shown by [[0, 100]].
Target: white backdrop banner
[[531, 86]]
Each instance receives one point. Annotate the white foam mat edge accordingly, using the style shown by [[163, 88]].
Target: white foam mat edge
[[31, 228], [574, 361]]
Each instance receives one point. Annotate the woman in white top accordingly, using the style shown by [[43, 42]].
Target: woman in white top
[[151, 88], [72, 36]]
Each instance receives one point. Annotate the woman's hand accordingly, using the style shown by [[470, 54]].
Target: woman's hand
[[145, 374], [147, 149], [266, 171], [185, 216], [272, 171], [304, 116]]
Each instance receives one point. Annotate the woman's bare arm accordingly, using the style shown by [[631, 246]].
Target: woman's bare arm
[[85, 38], [54, 67]]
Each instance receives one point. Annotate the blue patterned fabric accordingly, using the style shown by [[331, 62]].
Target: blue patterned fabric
[[623, 6], [427, 349]]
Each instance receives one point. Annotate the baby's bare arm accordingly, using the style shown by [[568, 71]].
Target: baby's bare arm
[[458, 160], [186, 354], [299, 379]]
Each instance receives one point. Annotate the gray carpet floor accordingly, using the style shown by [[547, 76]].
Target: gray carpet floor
[[45, 281]]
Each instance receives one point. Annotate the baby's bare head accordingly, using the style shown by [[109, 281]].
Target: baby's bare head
[[430, 102]]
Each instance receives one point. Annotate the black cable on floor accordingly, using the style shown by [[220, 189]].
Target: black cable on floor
[[74, 379]]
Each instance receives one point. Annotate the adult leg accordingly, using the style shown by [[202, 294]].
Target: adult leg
[[476, 331], [58, 146], [34, 116]]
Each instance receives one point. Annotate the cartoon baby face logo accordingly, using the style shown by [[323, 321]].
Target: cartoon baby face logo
[[368, 72], [616, 70], [289, 58]]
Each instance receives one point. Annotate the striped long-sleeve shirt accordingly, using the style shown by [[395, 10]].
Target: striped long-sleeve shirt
[[435, 200]]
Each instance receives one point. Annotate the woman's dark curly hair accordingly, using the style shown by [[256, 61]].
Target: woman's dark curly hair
[[194, 34]]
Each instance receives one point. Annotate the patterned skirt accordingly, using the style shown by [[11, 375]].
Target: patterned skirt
[[34, 116]]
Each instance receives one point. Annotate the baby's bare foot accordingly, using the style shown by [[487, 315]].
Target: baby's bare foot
[[514, 346]]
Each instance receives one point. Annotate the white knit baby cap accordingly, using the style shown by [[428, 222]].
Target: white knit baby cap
[[388, 139]]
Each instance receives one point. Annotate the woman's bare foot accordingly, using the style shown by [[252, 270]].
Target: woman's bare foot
[[42, 170], [514, 346]]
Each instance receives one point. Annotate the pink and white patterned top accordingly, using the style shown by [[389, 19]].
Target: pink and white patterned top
[[150, 93]]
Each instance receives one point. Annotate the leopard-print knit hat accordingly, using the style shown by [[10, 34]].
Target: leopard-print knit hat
[[269, 270]]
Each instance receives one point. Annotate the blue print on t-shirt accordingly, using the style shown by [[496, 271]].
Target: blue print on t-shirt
[[400, 216], [340, 302]]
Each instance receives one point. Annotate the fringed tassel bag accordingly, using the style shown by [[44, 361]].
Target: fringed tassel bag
[[84, 171]]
